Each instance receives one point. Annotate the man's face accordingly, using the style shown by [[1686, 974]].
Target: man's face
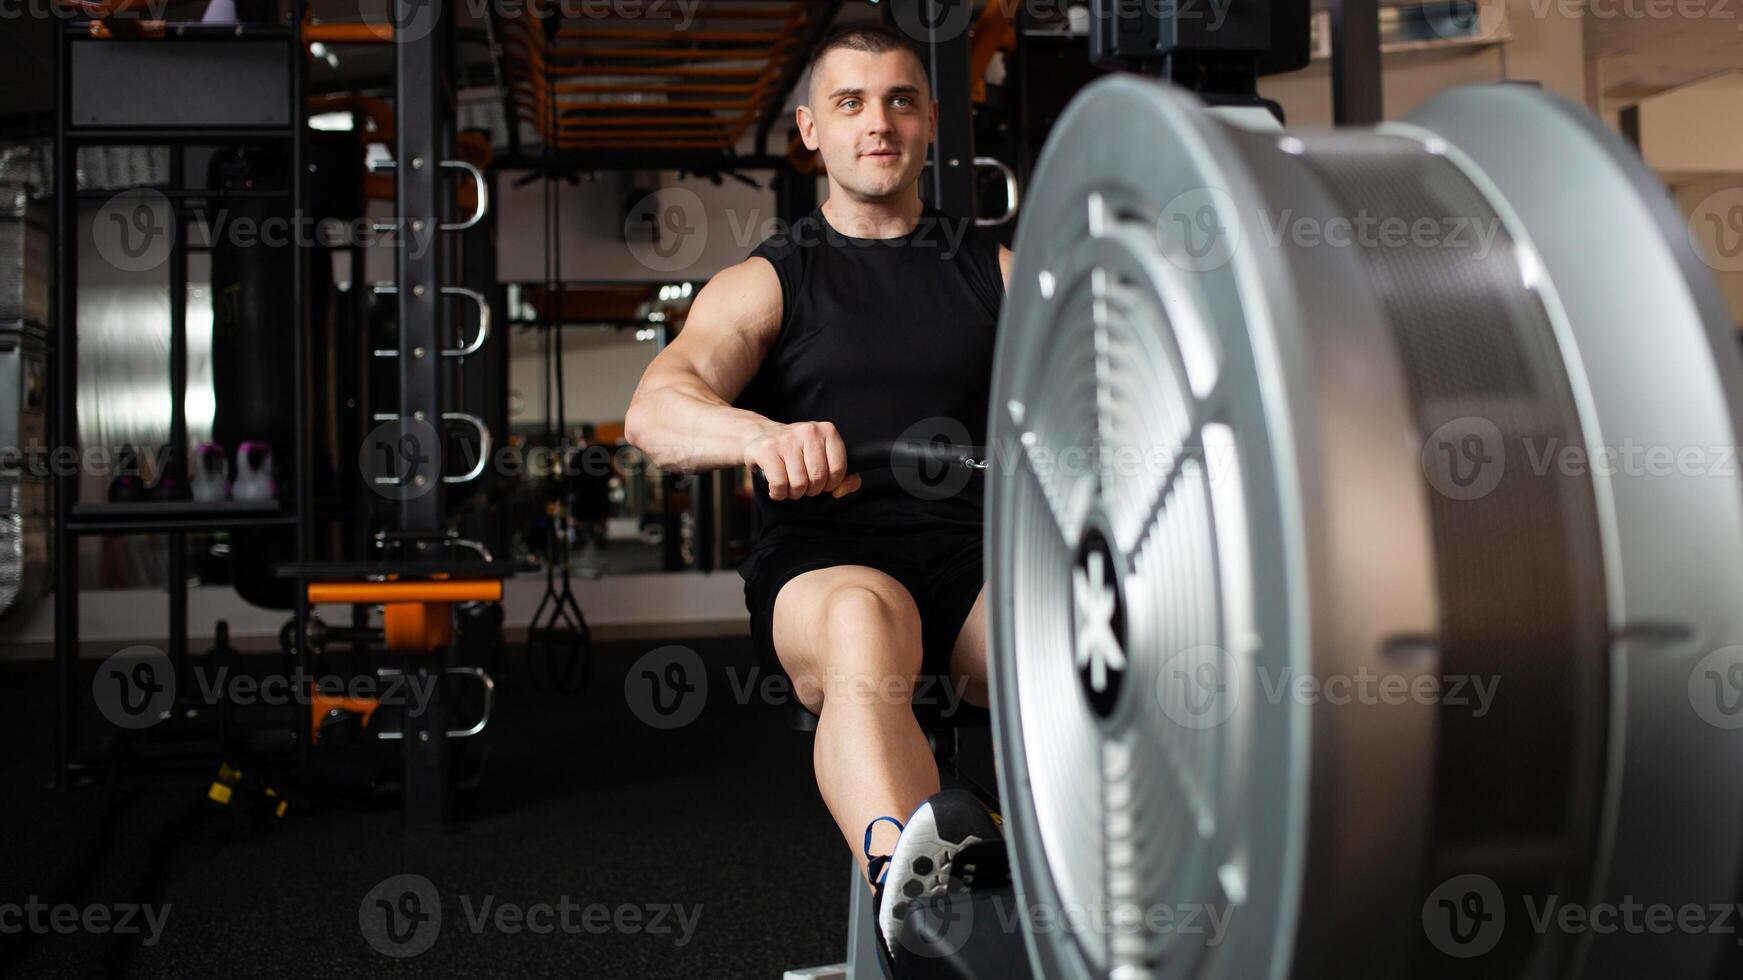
[[871, 117]]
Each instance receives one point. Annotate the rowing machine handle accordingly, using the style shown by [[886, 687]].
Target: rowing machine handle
[[886, 453]]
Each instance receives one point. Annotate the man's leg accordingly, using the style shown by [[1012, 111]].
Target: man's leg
[[849, 637], [968, 658]]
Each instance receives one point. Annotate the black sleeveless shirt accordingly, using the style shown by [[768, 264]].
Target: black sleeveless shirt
[[888, 339]]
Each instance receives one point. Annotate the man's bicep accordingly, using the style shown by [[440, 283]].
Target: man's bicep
[[730, 328]]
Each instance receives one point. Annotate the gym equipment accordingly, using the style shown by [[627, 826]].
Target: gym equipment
[[211, 480], [24, 501], [128, 485], [24, 254], [254, 473], [252, 336], [1242, 455], [559, 646]]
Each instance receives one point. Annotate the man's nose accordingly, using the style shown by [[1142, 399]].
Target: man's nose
[[877, 119]]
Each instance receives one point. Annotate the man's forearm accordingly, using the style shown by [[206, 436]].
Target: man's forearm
[[684, 432]]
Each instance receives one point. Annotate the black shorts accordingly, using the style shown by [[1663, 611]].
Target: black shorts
[[940, 569]]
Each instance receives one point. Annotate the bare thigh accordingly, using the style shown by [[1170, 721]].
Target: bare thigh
[[968, 658], [821, 616]]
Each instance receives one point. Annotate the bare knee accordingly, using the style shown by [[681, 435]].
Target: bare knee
[[848, 633], [868, 625]]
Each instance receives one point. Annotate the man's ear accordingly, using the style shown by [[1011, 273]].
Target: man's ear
[[807, 126], [932, 130]]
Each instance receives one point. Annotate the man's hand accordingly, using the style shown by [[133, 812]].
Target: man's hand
[[802, 459]]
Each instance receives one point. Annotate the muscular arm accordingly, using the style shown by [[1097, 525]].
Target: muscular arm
[[681, 415]]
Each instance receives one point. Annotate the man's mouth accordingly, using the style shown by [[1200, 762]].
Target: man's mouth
[[881, 153]]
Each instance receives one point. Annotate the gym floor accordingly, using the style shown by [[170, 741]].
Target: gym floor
[[719, 820]]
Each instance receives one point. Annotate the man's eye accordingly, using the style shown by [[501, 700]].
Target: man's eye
[[902, 101], [849, 103]]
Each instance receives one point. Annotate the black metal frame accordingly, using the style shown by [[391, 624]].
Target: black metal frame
[[822, 16], [951, 177], [1357, 96], [422, 138], [71, 519]]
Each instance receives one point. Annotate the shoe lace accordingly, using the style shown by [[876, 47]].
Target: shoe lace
[[876, 867]]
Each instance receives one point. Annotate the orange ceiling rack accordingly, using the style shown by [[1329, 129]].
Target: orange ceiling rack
[[587, 83]]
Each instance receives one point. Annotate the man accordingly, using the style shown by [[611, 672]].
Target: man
[[870, 319]]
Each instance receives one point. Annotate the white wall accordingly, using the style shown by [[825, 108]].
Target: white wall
[[597, 383], [723, 224], [1694, 129], [1549, 49], [618, 607]]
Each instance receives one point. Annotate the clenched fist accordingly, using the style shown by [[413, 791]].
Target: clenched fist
[[801, 459]]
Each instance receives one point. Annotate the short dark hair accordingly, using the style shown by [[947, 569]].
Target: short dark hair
[[870, 38]]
